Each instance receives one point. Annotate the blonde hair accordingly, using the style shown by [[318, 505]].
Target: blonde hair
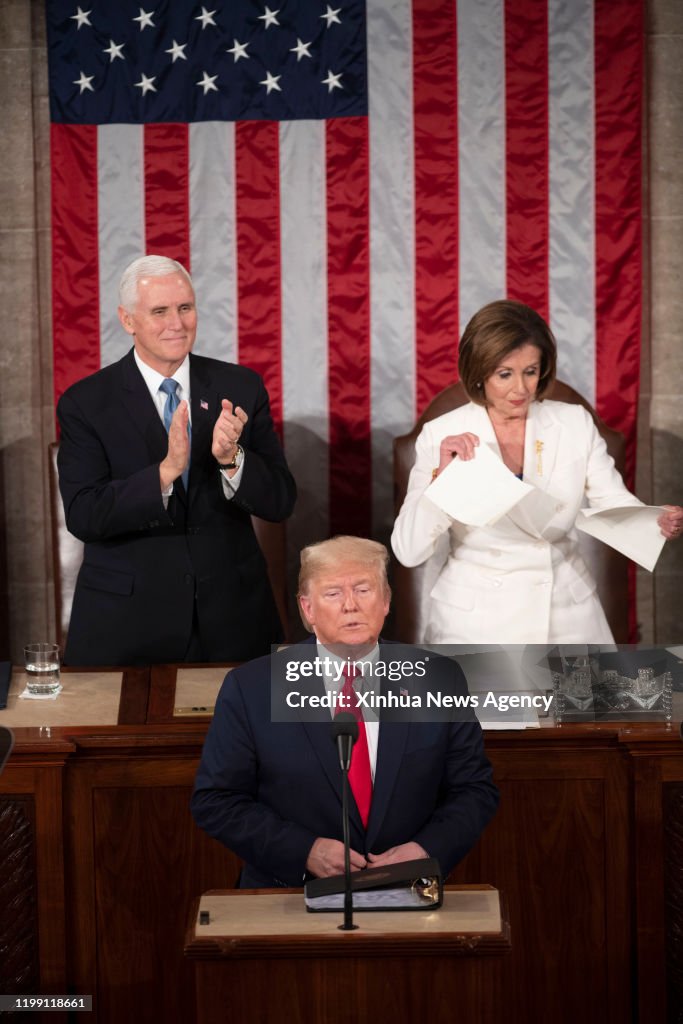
[[328, 554]]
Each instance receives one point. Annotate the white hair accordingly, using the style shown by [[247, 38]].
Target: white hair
[[146, 266]]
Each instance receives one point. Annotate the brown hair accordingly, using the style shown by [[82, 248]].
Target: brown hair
[[493, 332]]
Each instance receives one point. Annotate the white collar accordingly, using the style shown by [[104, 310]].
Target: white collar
[[153, 378]]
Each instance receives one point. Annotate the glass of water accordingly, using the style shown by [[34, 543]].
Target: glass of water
[[42, 668]]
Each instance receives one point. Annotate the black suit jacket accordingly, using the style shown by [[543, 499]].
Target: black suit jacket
[[267, 789], [144, 564]]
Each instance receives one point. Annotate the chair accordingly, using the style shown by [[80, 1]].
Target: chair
[[67, 555], [411, 586]]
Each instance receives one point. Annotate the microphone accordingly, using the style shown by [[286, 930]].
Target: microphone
[[345, 733]]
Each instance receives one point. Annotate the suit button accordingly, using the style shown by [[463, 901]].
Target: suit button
[[189, 578], [496, 583]]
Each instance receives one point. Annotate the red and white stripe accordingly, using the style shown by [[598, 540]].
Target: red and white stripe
[[501, 156]]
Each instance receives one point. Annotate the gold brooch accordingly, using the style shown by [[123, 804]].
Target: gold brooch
[[539, 459]]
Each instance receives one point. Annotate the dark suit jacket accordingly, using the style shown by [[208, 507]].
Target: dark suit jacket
[[143, 564], [268, 789]]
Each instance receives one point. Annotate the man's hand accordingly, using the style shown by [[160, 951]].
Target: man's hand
[[327, 858], [178, 447], [227, 432], [396, 855]]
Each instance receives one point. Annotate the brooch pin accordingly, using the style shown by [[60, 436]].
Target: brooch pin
[[539, 459]]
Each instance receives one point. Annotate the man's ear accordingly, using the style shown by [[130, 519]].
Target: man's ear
[[304, 609], [126, 320]]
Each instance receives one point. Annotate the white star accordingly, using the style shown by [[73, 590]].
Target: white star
[[114, 51], [269, 18], [332, 81], [207, 83], [145, 19], [270, 82], [146, 84], [84, 82], [330, 16], [206, 18], [81, 17], [176, 51], [239, 50], [301, 50]]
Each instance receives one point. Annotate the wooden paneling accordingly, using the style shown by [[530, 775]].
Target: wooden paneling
[[349, 991], [139, 861], [32, 885], [673, 888], [586, 845], [558, 849]]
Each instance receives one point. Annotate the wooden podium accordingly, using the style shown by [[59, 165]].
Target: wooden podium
[[263, 958]]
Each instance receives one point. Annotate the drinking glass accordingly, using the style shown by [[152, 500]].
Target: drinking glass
[[41, 662]]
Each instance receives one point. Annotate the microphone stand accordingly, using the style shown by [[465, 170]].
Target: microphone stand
[[345, 733], [348, 924]]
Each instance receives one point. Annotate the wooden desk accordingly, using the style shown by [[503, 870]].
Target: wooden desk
[[402, 967], [105, 861]]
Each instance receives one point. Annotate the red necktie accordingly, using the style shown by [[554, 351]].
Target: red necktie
[[360, 776]]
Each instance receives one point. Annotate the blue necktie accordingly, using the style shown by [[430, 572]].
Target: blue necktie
[[169, 386]]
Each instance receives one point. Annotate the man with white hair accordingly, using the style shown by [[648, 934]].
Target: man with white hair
[[164, 457]]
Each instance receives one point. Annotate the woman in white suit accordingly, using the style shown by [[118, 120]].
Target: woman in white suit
[[521, 580]]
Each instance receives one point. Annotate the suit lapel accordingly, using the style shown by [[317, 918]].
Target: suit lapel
[[139, 407], [320, 737], [393, 736], [541, 439], [318, 729], [205, 408], [540, 446]]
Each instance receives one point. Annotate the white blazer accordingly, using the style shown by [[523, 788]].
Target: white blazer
[[522, 580]]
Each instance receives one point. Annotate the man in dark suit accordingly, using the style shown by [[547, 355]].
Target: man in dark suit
[[270, 789], [164, 456]]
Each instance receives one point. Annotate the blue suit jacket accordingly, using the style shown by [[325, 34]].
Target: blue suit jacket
[[268, 789]]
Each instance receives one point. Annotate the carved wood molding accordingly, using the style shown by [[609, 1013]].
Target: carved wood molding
[[19, 964], [673, 887]]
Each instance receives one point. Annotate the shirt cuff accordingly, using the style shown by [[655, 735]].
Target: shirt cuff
[[231, 483], [165, 495]]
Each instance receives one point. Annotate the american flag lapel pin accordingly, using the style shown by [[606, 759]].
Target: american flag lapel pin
[[203, 405]]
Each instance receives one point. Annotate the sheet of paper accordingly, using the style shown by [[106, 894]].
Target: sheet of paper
[[373, 899], [477, 491], [631, 529]]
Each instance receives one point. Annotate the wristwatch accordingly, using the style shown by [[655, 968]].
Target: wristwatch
[[236, 460]]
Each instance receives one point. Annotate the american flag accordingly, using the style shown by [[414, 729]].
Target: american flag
[[348, 183]]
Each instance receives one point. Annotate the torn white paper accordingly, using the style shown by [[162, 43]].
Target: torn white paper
[[478, 491], [630, 529]]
